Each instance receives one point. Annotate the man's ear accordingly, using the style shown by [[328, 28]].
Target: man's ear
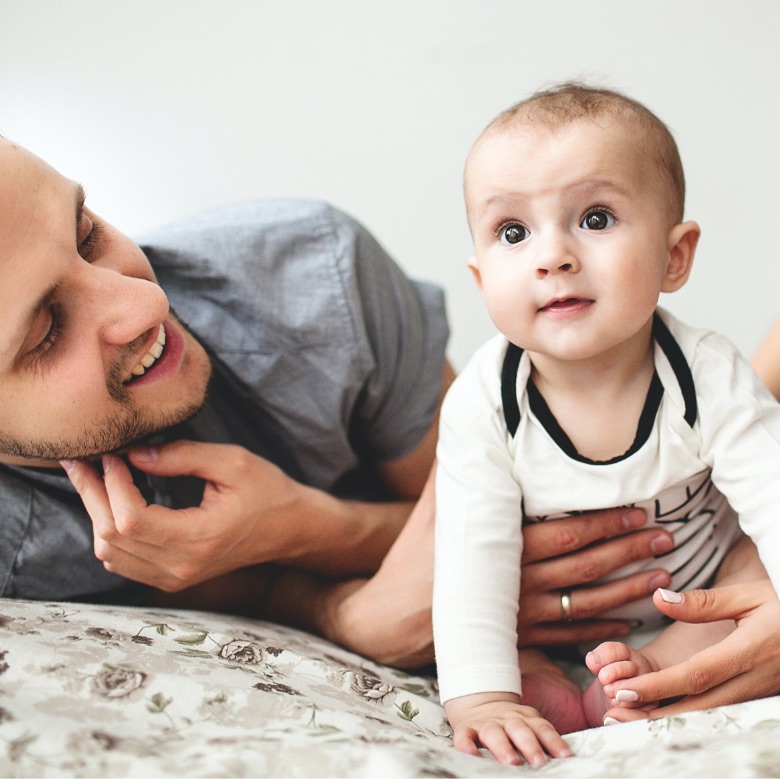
[[683, 238], [474, 268]]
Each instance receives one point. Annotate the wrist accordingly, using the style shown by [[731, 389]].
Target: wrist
[[460, 708], [334, 536]]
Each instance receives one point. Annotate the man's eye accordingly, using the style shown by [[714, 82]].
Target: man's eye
[[88, 234], [597, 220], [512, 233]]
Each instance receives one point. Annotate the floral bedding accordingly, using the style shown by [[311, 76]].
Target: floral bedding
[[106, 691]]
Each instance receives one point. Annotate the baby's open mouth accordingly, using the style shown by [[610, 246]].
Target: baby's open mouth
[[150, 358], [564, 303]]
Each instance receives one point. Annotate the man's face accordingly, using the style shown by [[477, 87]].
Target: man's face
[[90, 356]]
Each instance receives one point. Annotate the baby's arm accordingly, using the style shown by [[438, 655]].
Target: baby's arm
[[504, 726]]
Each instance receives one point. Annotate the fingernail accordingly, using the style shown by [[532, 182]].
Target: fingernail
[[146, 454], [661, 544], [658, 580], [670, 596], [67, 465], [611, 721], [634, 518], [107, 460], [626, 696]]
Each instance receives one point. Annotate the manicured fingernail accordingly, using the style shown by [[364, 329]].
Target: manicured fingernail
[[626, 696], [661, 544], [670, 596], [146, 454], [611, 721], [634, 518]]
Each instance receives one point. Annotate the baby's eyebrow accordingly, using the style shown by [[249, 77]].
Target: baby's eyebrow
[[589, 186]]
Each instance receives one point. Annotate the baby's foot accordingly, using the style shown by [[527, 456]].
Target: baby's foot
[[611, 662], [558, 699]]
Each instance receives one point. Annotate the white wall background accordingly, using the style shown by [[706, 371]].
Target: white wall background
[[162, 107]]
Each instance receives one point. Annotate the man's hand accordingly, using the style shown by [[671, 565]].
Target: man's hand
[[564, 556], [743, 666], [388, 617], [243, 519]]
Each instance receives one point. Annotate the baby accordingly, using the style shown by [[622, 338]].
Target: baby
[[590, 396]]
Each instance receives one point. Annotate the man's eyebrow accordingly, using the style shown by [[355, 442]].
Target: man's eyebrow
[[81, 198]]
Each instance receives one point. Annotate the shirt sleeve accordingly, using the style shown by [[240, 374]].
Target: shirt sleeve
[[338, 347], [478, 547], [402, 328]]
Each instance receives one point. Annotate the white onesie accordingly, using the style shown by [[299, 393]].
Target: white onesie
[[709, 429]]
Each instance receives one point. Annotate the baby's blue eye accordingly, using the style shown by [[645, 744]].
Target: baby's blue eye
[[512, 234], [597, 220]]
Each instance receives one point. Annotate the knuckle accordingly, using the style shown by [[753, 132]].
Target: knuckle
[[184, 574], [126, 525], [242, 460], [567, 539], [700, 680], [108, 536], [102, 552], [589, 571]]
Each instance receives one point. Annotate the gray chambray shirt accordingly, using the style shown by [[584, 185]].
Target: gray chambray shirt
[[327, 358]]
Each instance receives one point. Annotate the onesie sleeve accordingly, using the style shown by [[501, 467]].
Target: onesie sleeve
[[478, 543]]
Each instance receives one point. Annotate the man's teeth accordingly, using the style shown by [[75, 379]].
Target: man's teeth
[[151, 356]]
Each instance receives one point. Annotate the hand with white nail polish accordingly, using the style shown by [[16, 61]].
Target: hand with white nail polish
[[706, 661]]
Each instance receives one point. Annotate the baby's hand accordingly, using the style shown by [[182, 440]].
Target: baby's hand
[[504, 726]]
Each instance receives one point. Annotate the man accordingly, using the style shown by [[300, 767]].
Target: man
[[303, 394]]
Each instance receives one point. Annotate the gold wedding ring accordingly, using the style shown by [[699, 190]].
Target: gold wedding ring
[[566, 610]]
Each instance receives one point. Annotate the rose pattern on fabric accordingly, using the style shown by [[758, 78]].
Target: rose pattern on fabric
[[244, 652], [370, 688], [115, 692], [117, 682]]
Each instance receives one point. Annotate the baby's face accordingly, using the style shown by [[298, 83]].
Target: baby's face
[[571, 236]]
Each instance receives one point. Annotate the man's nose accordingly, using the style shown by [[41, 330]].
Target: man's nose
[[121, 307]]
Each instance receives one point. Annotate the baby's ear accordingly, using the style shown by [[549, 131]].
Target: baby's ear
[[683, 238], [474, 268]]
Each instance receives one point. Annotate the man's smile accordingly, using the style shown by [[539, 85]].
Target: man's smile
[[149, 359]]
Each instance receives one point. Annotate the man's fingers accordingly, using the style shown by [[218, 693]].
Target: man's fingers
[[549, 539], [92, 491], [594, 563], [563, 633], [585, 603], [218, 463]]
